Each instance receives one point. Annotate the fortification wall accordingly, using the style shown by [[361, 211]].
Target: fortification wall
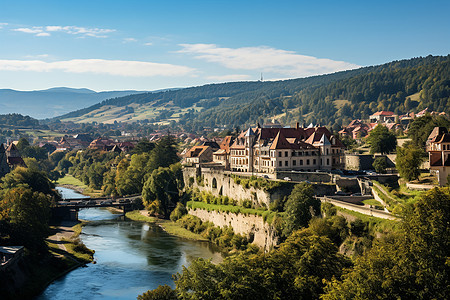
[[358, 162], [263, 234], [218, 183]]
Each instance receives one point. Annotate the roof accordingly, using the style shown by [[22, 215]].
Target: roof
[[280, 142], [324, 140], [197, 151], [383, 113], [226, 143], [249, 132]]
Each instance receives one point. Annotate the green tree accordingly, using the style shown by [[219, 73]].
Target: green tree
[[27, 214], [162, 187], [162, 292], [34, 179], [408, 161], [164, 154], [410, 264], [381, 140], [380, 165], [300, 207]]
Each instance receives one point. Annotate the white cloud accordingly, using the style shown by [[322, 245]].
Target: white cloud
[[98, 66], [29, 30], [148, 44], [3, 25], [74, 30], [129, 40], [265, 59], [231, 77]]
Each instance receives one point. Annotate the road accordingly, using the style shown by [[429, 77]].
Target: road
[[361, 209]]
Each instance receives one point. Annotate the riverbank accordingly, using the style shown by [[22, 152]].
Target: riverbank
[[31, 276], [70, 182], [168, 226]]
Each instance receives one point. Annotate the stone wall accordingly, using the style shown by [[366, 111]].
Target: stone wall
[[358, 162], [304, 176], [263, 234], [220, 183]]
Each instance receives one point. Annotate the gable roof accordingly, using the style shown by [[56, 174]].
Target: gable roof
[[280, 142]]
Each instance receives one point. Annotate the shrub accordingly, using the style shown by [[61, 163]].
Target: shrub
[[179, 211]]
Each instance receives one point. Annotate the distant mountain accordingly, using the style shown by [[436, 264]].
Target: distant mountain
[[52, 102], [333, 99]]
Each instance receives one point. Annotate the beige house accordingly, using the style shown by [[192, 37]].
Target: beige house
[[199, 154], [438, 147]]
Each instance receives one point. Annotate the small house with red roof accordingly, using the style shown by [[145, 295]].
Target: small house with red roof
[[382, 116]]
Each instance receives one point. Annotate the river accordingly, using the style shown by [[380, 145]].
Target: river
[[131, 258]]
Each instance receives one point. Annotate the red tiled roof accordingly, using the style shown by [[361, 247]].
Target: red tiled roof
[[383, 113]]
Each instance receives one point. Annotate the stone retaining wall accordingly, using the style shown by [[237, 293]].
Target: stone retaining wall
[[263, 234]]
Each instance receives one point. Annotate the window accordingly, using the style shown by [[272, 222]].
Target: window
[[314, 161], [294, 162], [307, 162], [327, 151], [285, 154], [301, 162], [328, 161], [279, 154], [286, 163], [306, 153], [280, 163]]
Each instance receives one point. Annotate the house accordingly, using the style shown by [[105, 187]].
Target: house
[[382, 116], [267, 150], [355, 130], [222, 156], [199, 154], [13, 157], [438, 147]]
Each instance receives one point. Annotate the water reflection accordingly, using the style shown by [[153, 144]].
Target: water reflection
[[131, 258]]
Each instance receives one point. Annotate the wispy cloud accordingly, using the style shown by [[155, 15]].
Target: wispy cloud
[[148, 44], [99, 66], [129, 40], [231, 77], [74, 30], [265, 59], [3, 25]]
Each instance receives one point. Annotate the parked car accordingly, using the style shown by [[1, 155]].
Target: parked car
[[287, 178], [356, 195], [265, 176], [341, 193]]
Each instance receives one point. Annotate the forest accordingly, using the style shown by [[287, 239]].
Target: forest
[[400, 86]]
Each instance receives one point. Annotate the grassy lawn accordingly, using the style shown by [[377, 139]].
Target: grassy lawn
[[375, 224], [69, 179], [374, 203], [170, 227], [224, 208]]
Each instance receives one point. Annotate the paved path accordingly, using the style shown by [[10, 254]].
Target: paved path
[[361, 209]]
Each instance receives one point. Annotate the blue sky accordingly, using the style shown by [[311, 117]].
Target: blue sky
[[148, 45]]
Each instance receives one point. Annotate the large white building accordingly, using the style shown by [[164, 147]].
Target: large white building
[[267, 150]]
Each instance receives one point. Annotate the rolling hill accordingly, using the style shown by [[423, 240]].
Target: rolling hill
[[52, 102], [400, 86]]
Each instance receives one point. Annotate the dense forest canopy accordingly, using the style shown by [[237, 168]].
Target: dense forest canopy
[[313, 99], [18, 120]]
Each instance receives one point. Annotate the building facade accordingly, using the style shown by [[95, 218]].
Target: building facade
[[267, 150], [438, 147]]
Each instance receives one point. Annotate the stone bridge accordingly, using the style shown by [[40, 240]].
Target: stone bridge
[[68, 209]]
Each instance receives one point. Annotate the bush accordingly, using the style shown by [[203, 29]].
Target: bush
[[178, 212]]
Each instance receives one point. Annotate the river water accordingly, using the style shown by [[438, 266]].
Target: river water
[[131, 258]]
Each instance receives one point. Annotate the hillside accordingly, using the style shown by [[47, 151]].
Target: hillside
[[52, 102], [400, 86]]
